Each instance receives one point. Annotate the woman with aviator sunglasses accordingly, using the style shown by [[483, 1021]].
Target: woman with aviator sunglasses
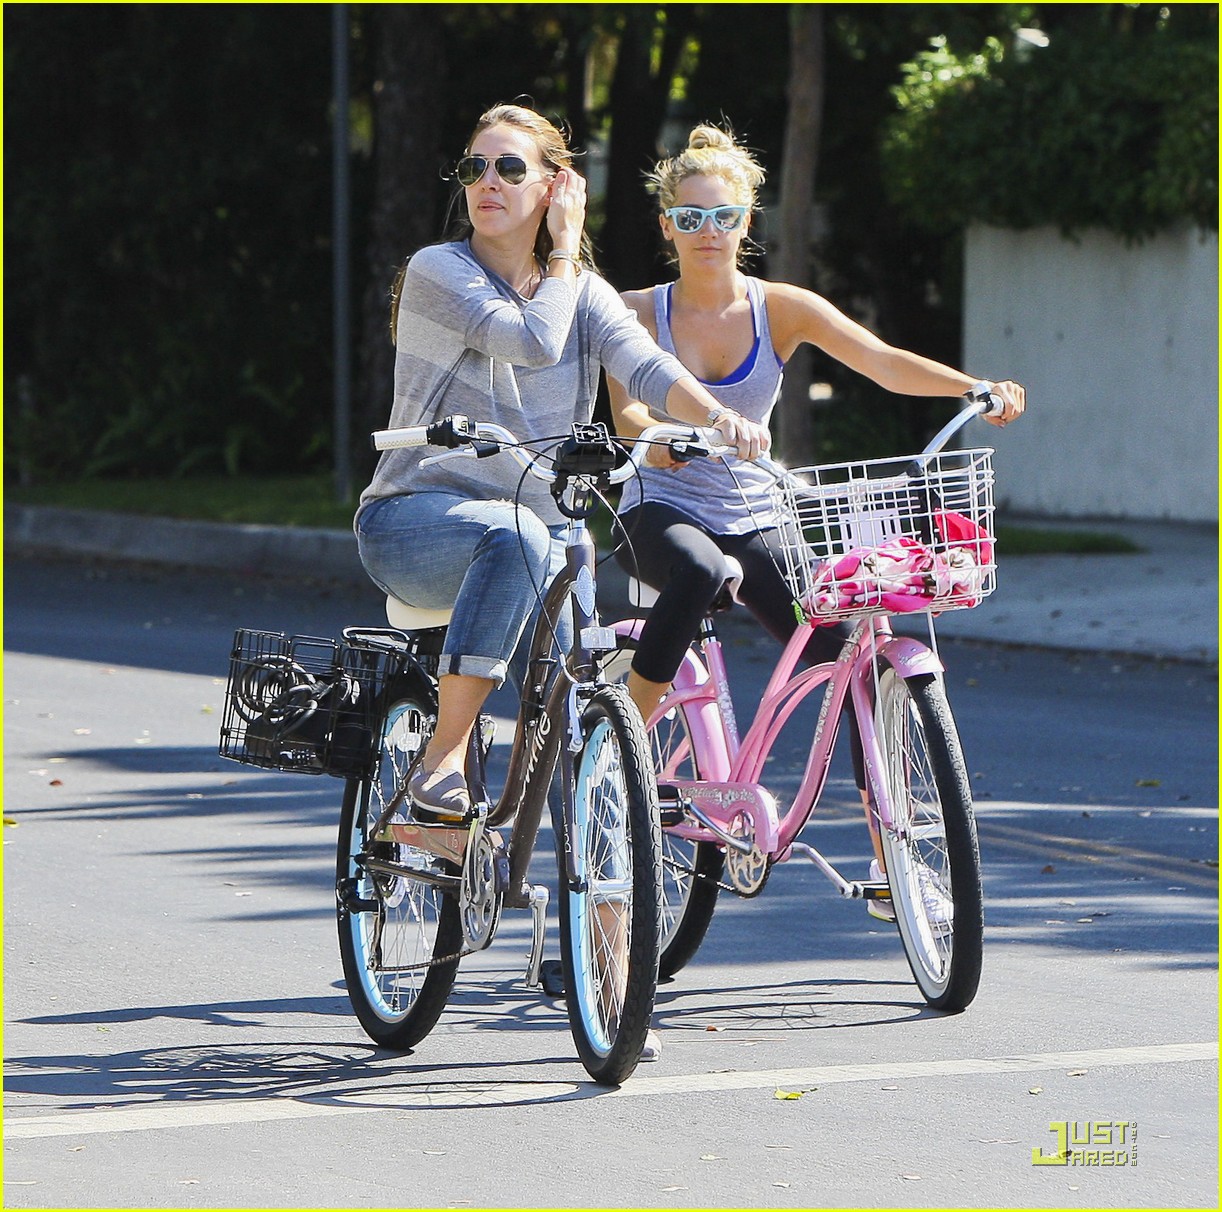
[[735, 332], [506, 323]]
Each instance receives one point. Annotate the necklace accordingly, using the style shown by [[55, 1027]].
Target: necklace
[[532, 284]]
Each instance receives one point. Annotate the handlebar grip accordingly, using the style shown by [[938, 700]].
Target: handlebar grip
[[982, 393], [397, 439], [450, 431]]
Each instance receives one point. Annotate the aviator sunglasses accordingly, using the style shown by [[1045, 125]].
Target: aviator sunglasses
[[510, 169], [691, 219]]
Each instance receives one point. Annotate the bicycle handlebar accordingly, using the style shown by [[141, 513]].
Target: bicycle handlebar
[[981, 403], [480, 439]]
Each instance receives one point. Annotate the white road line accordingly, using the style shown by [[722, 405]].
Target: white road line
[[471, 1094]]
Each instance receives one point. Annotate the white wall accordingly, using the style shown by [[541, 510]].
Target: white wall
[[1118, 349]]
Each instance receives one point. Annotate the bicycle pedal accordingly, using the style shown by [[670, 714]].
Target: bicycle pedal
[[551, 977], [670, 806]]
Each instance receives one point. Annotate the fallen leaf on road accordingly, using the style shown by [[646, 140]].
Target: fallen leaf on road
[[1048, 870], [1036, 1090], [56, 783], [1076, 1073], [1149, 782], [780, 1184], [786, 1094], [8, 820]]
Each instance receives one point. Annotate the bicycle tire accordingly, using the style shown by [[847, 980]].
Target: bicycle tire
[[610, 981], [691, 870], [391, 928], [938, 852]]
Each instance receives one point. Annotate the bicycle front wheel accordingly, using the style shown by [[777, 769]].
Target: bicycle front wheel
[[691, 871], [610, 907], [396, 934], [932, 856]]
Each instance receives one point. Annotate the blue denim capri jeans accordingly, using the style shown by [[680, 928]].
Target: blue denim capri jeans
[[490, 560]]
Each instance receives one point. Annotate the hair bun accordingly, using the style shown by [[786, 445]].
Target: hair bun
[[709, 136]]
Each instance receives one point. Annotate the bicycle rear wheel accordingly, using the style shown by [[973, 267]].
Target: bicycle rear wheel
[[393, 930], [690, 870], [933, 857], [610, 913]]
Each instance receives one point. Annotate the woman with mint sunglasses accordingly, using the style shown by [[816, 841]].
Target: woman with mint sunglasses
[[735, 332]]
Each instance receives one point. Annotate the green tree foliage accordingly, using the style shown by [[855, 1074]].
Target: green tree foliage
[[168, 201], [1119, 133], [166, 236]]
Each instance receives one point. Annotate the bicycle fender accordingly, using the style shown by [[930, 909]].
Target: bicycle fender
[[910, 657]]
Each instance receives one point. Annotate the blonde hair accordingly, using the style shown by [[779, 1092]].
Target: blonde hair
[[710, 152]]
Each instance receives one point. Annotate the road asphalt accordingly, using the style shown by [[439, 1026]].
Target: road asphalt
[[1160, 602]]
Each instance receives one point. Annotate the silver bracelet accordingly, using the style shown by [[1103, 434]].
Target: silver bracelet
[[559, 254]]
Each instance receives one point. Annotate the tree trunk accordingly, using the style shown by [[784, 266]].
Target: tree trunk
[[794, 423], [408, 120], [630, 246]]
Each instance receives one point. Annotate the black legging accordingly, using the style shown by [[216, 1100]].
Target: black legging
[[686, 563]]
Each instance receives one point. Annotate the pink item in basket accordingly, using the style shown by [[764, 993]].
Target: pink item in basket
[[955, 530], [902, 575]]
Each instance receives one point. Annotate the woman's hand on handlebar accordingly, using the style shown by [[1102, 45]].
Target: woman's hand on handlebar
[[751, 439], [1014, 399]]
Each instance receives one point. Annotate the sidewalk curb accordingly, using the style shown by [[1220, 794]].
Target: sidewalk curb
[[245, 548]]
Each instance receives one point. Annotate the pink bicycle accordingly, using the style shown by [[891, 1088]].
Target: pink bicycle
[[864, 542]]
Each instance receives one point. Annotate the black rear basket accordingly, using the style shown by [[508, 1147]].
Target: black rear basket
[[306, 704]]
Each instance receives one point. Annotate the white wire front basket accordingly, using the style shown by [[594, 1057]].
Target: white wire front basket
[[889, 536]]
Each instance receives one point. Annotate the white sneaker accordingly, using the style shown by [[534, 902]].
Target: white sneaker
[[652, 1050], [939, 908]]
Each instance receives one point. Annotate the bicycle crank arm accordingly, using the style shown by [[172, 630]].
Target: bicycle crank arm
[[447, 842], [734, 843], [382, 867], [869, 890]]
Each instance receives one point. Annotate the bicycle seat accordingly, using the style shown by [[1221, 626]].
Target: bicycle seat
[[642, 596], [415, 618]]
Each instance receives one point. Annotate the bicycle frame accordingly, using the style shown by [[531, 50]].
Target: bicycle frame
[[540, 724], [733, 769], [730, 784]]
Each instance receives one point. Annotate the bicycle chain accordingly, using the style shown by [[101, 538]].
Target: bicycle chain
[[436, 961], [674, 865]]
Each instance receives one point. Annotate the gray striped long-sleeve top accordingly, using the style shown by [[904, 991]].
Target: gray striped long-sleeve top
[[468, 343]]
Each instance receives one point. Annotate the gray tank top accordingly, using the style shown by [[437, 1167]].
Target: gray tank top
[[723, 496]]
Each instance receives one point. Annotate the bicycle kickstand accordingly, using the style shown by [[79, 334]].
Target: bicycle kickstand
[[538, 898]]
